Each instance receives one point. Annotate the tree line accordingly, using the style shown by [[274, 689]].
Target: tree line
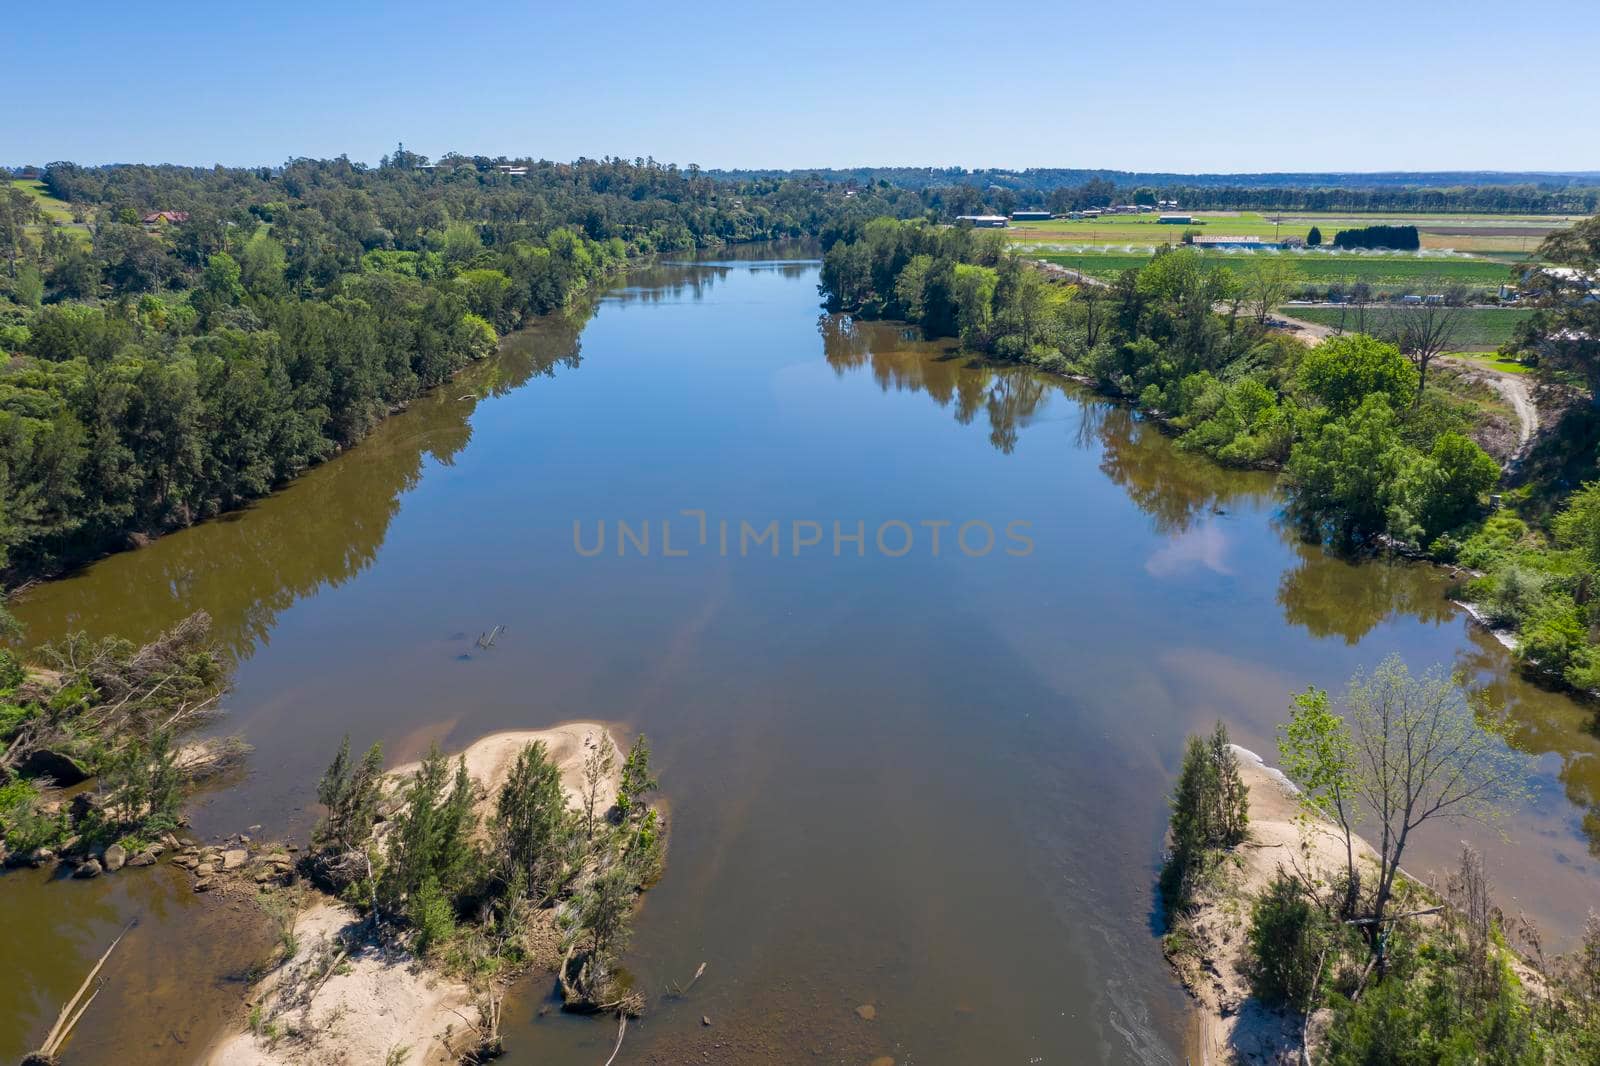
[[1394, 238], [1453, 192], [1372, 452], [165, 368], [1368, 451]]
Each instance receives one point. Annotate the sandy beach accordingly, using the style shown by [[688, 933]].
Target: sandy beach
[[376, 1003]]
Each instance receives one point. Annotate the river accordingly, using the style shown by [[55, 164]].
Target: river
[[933, 782]]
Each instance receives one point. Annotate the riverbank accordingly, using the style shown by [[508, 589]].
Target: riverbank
[[345, 991], [1208, 950], [1279, 975]]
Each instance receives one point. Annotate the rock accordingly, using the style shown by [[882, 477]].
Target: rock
[[883, 1060], [205, 884], [867, 1012], [83, 805], [204, 870], [40, 856], [144, 858], [234, 858], [58, 766], [88, 868], [156, 848], [188, 862], [170, 840], [705, 1019], [116, 858]]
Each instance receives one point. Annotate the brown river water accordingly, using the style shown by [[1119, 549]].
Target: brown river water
[[931, 782]]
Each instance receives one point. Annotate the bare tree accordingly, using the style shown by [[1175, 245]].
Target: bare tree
[[1360, 298], [1268, 283], [1405, 751], [1423, 331]]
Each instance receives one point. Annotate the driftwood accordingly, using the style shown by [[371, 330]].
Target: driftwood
[[677, 990], [622, 1029], [71, 1014]]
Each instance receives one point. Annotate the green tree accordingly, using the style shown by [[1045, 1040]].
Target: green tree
[[973, 297], [1343, 473], [1343, 372], [431, 840], [1210, 811], [1319, 756], [1313, 237], [350, 792], [637, 779], [531, 823], [1578, 525], [1566, 331], [27, 288]]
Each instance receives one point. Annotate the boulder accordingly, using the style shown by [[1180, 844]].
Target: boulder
[[205, 884], [234, 858], [144, 858], [116, 858], [83, 805], [58, 766], [88, 868], [41, 856], [204, 870]]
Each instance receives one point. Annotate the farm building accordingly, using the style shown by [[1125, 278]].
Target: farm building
[[1167, 205], [1030, 216], [156, 218], [1175, 220], [984, 221]]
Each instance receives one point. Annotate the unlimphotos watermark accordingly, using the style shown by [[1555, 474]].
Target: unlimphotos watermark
[[791, 538]]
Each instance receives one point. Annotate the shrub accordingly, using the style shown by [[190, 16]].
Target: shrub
[[431, 916], [1288, 934]]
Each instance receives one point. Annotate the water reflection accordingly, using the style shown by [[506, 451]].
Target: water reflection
[[249, 566], [1335, 596], [1176, 489], [1188, 497], [1009, 397]]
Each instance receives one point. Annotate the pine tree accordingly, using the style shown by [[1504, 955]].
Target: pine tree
[[636, 779], [531, 822]]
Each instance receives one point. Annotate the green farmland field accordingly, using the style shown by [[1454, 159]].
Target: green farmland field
[[1479, 328], [1502, 234], [1318, 270]]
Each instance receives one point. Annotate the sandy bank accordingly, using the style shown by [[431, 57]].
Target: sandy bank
[[345, 998], [1231, 1026]]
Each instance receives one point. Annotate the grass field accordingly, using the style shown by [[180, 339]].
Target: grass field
[[1502, 234], [59, 212], [1385, 273], [1479, 328]]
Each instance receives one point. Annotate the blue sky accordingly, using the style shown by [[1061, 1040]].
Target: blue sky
[[1150, 86]]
